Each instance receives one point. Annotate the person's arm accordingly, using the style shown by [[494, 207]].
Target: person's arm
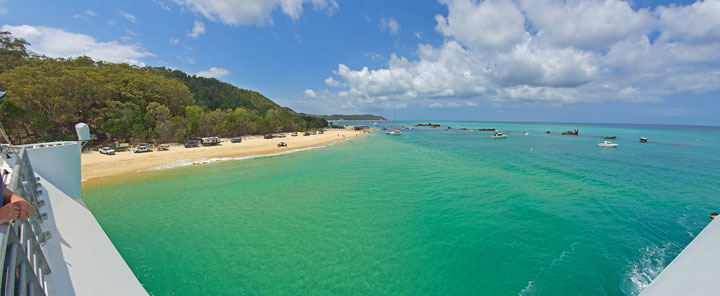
[[26, 209], [6, 193]]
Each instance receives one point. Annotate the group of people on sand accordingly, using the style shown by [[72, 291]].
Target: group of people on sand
[[14, 207]]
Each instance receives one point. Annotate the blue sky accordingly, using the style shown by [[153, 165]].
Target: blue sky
[[526, 60]]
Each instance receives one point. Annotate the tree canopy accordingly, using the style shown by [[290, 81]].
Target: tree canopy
[[47, 96]]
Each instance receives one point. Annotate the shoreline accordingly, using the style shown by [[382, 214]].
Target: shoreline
[[96, 166]]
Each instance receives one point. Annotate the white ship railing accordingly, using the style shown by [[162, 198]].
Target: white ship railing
[[24, 264]]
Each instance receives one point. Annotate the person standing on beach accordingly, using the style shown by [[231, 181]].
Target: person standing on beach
[[14, 207]]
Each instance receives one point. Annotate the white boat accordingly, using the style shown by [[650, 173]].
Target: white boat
[[607, 144], [526, 133], [60, 249], [498, 135], [394, 132]]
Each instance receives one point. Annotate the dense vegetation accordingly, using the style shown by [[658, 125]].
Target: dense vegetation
[[351, 117], [47, 96]]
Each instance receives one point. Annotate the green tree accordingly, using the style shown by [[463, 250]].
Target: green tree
[[12, 51]]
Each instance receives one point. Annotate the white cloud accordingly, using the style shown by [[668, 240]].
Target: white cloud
[[586, 24], [375, 57], [491, 24], [162, 4], [111, 22], [131, 18], [197, 30], [55, 43], [310, 93], [699, 22], [390, 25], [332, 82], [213, 72], [552, 52], [85, 15], [259, 12], [174, 41], [3, 10]]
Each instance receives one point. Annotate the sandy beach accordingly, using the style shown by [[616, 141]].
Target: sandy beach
[[96, 165]]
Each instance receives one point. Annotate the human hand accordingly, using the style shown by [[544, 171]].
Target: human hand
[[9, 212], [26, 209]]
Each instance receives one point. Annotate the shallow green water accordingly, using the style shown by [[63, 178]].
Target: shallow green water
[[430, 212]]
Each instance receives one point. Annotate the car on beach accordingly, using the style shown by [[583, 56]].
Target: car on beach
[[236, 140], [163, 147], [321, 132], [314, 132], [294, 134], [282, 144], [106, 150], [191, 143], [142, 148], [281, 135], [306, 134], [268, 136]]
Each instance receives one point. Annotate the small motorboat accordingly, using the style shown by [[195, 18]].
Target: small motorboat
[[394, 132], [643, 140], [498, 136], [607, 144], [610, 138], [526, 133]]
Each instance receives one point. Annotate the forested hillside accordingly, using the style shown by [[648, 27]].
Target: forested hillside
[[47, 96]]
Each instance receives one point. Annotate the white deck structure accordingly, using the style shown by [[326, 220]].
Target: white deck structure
[[81, 259], [695, 271]]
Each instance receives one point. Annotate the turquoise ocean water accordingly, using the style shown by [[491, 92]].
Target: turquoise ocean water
[[429, 212]]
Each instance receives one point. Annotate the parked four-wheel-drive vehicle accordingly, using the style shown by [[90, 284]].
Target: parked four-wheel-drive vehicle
[[142, 148], [191, 143], [163, 147], [294, 134], [306, 134], [321, 132], [236, 140], [106, 150], [209, 141], [268, 136]]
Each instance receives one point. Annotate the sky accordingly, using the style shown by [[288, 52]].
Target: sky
[[608, 61]]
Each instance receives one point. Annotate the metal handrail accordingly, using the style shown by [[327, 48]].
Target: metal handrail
[[24, 264]]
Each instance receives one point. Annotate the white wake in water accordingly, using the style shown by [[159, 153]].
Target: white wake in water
[[530, 288], [652, 261]]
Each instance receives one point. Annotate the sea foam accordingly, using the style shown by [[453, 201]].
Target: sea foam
[[652, 261]]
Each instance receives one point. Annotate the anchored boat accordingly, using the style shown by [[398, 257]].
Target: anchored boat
[[607, 144], [498, 135]]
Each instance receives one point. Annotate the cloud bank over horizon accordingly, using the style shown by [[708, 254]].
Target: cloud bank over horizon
[[542, 51]]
